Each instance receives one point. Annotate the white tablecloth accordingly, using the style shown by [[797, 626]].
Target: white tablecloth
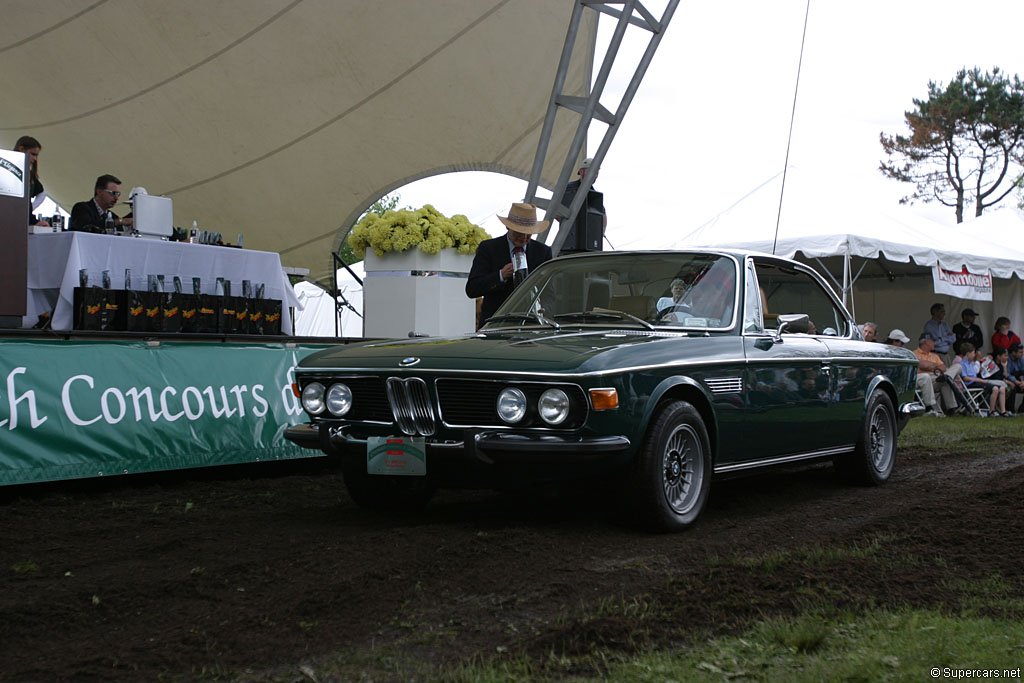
[[55, 259]]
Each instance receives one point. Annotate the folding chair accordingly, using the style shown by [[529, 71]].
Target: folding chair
[[974, 397]]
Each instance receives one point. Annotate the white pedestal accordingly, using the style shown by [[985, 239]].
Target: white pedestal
[[410, 291]]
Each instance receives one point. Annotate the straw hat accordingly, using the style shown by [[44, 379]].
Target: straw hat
[[523, 218]]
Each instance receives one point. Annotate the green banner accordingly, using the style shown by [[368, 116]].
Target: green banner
[[71, 409]]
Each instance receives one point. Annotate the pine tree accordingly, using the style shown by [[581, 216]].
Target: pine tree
[[965, 144]]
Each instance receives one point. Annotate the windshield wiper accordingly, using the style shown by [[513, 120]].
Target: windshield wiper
[[524, 316], [604, 315]]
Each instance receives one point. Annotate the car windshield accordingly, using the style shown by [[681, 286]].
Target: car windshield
[[651, 290]]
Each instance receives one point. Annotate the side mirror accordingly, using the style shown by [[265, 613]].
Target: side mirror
[[794, 323]]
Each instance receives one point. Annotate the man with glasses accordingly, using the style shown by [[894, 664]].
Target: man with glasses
[[95, 215]]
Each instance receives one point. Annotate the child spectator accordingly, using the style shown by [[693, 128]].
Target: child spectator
[[1004, 337], [995, 390], [1015, 371], [1001, 358]]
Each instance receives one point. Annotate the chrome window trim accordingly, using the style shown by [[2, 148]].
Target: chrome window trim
[[736, 261], [796, 265]]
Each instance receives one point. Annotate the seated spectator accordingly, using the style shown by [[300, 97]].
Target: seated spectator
[[967, 331], [930, 368], [995, 390], [869, 331], [940, 332], [1015, 371], [1001, 358], [897, 338], [1004, 336]]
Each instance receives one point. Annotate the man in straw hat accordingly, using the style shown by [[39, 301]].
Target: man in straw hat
[[492, 272]]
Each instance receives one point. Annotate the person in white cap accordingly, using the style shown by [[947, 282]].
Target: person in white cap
[[897, 338], [491, 275]]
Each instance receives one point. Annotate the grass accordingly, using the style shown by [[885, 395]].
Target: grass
[[962, 435], [807, 555], [880, 646], [25, 567], [822, 639]]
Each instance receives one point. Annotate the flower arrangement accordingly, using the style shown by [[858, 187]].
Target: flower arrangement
[[427, 228]]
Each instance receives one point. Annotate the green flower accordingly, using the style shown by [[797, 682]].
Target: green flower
[[426, 228]]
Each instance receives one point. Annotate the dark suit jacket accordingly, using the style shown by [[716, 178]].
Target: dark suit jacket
[[485, 275], [85, 214]]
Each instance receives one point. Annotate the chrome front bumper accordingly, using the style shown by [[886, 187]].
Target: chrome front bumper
[[486, 445]]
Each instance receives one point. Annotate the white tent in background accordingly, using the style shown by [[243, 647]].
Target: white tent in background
[[317, 318], [880, 262], [1003, 225]]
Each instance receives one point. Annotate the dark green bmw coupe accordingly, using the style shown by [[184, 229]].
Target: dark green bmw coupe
[[660, 370]]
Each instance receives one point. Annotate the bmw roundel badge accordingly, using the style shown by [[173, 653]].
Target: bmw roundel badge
[[406, 362]]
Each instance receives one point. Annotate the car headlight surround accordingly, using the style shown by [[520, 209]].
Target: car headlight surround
[[339, 399], [553, 406], [511, 405], [313, 398]]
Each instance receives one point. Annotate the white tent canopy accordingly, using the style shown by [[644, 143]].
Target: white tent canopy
[[284, 119], [892, 284], [828, 227]]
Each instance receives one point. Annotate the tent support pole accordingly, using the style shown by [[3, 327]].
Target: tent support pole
[[835, 282], [848, 284]]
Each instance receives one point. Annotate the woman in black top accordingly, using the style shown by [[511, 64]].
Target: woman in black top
[[31, 147]]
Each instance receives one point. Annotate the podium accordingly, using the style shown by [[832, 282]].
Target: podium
[[586, 232], [14, 213]]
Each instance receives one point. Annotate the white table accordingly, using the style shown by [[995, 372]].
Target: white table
[[55, 259]]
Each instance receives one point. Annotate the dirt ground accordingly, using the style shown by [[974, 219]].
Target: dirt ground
[[223, 574]]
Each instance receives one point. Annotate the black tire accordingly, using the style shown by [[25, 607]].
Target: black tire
[[872, 460], [382, 493], [672, 474]]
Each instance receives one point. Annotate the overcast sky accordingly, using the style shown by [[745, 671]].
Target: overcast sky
[[710, 121]]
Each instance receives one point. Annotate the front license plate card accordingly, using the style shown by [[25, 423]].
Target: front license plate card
[[396, 455]]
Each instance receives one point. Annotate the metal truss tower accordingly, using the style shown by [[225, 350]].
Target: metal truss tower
[[590, 108]]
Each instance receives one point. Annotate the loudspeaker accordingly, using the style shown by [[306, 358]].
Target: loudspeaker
[[587, 231]]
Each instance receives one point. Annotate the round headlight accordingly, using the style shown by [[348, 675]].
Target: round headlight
[[339, 399], [511, 405], [553, 406], [313, 398]]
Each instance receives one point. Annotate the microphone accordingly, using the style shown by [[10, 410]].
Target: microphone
[[519, 269]]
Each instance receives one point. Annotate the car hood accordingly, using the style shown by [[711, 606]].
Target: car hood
[[543, 351]]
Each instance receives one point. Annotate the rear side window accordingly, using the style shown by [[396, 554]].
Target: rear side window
[[785, 291]]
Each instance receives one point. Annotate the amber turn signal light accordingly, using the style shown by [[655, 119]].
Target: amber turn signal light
[[295, 390], [604, 399]]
